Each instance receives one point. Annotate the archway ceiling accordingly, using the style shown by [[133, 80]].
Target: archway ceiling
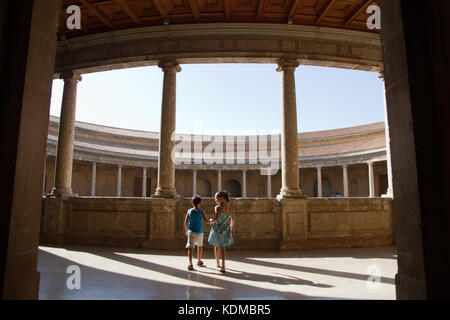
[[99, 16]]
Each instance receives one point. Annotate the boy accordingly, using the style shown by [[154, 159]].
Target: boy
[[193, 226]]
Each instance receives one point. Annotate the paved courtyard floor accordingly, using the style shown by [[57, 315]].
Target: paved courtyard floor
[[109, 273]]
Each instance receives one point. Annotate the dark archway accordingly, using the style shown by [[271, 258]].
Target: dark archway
[[203, 188], [233, 187]]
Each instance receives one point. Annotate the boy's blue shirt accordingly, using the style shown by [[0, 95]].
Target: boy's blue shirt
[[195, 220]]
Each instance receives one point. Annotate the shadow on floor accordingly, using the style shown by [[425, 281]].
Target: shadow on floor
[[334, 273], [233, 288], [101, 284], [356, 253], [285, 280]]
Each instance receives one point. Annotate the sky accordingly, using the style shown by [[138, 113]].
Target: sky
[[227, 98]]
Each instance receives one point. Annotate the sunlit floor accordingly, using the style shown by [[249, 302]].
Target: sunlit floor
[[106, 273]]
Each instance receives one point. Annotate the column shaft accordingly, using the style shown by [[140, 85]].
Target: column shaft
[[269, 186], [219, 180], [119, 181], [390, 190], [345, 180], [371, 180], [64, 157], [166, 165], [93, 178], [290, 187], [144, 182], [244, 183], [319, 182], [194, 182]]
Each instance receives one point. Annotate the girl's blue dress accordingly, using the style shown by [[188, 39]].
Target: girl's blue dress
[[220, 235]]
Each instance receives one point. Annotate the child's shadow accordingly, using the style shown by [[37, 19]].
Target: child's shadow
[[241, 275]]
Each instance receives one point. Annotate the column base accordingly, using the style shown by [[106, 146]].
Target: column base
[[164, 193], [290, 194], [388, 195], [60, 192]]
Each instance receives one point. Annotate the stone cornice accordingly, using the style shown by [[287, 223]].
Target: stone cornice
[[220, 42]]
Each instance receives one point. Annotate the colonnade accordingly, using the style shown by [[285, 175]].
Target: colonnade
[[194, 181], [319, 170], [290, 183], [370, 165]]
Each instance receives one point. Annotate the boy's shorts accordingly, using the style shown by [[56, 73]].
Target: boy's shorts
[[194, 239]]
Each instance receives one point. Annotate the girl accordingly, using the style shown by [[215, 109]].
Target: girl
[[220, 235]]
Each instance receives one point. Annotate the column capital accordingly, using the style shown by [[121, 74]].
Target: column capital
[[70, 75], [286, 64], [168, 65]]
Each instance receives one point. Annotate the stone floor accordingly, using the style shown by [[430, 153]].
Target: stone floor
[[108, 273]]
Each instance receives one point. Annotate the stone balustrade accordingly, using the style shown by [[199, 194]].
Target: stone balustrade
[[157, 223]]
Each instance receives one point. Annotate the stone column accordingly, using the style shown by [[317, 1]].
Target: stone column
[[64, 157], [371, 180], [244, 183], [269, 185], [93, 178], [194, 182], [390, 190], [119, 180], [166, 166], [219, 180], [345, 179], [290, 186], [319, 182], [144, 182]]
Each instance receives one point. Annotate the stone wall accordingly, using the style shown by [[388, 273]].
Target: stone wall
[[260, 223]]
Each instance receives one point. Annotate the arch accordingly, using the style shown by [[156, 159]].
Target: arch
[[233, 187], [326, 187], [203, 188]]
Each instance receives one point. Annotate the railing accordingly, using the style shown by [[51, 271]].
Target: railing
[[260, 223]]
